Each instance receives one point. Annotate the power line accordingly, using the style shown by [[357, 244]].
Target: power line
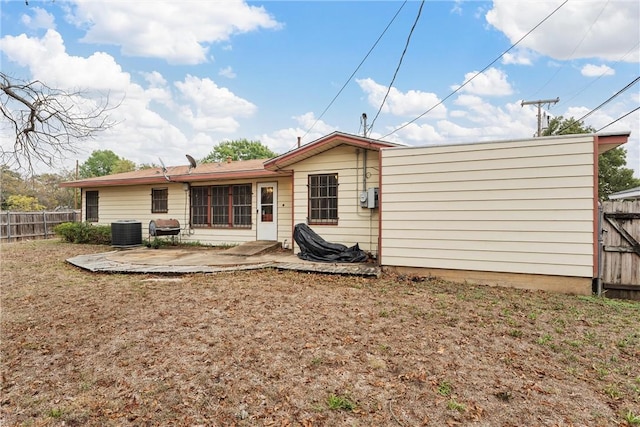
[[615, 95], [356, 70], [397, 68], [575, 48], [478, 73], [610, 98], [633, 49], [619, 118]]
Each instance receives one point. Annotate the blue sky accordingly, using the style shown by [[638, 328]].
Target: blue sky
[[190, 74]]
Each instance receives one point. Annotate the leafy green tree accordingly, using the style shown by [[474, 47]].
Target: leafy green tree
[[613, 176], [143, 166], [561, 126], [21, 203], [123, 165], [11, 183], [241, 149], [46, 188], [105, 162]]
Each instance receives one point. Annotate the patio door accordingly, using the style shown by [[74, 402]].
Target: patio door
[[268, 211]]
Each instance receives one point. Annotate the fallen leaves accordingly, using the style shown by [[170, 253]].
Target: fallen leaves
[[267, 348]]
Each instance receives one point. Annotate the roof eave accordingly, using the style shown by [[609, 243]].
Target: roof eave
[[609, 141], [333, 140], [214, 176]]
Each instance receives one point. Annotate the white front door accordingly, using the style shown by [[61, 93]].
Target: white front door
[[268, 211]]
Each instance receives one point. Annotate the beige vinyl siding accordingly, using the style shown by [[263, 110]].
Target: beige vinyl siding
[[134, 203], [355, 224], [285, 223], [515, 206]]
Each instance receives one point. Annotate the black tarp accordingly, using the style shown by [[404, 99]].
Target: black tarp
[[315, 248]]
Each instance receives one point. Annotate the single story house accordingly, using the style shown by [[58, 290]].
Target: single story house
[[630, 194], [520, 213]]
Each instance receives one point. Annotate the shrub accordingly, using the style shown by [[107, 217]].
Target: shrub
[[84, 232]]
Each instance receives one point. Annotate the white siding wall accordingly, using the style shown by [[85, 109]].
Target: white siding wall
[[134, 203], [515, 206], [355, 224]]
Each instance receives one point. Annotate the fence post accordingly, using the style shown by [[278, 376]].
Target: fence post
[[44, 220], [8, 226]]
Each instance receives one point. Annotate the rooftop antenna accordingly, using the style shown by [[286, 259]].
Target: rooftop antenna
[[192, 162], [164, 170]]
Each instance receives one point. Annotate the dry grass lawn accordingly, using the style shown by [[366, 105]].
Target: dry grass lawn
[[273, 348]]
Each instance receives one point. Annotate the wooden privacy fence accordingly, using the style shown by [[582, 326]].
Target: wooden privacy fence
[[32, 225], [620, 264]]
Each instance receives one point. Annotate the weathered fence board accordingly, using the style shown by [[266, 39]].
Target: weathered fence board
[[16, 226], [621, 249]]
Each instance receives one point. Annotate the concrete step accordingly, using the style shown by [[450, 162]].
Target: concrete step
[[252, 248]]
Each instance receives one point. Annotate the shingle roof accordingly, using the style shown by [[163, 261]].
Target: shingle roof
[[202, 172], [323, 144]]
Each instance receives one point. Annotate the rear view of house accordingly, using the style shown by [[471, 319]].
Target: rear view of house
[[519, 213]]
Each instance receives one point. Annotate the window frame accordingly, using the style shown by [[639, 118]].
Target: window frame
[[322, 199], [157, 200], [91, 205], [227, 206]]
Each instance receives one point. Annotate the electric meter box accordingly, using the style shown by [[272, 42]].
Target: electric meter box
[[372, 197]]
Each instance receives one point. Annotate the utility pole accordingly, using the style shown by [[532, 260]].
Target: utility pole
[[540, 103]]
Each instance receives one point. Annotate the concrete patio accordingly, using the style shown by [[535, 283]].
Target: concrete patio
[[180, 260]]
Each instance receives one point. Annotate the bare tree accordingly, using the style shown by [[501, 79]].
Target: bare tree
[[48, 124]]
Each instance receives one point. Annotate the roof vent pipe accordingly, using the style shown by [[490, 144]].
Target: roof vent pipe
[[299, 142]]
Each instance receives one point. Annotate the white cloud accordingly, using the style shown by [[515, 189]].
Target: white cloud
[[420, 134], [155, 79], [591, 70], [227, 72], [411, 103], [284, 140], [596, 29], [144, 130], [49, 62], [39, 19], [179, 32], [456, 8], [493, 82], [210, 107], [518, 57]]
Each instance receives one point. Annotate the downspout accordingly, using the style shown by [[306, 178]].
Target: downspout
[[380, 208], [596, 219], [357, 181], [187, 207], [600, 250], [364, 169], [293, 211]]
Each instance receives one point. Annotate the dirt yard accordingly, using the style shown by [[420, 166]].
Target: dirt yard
[[274, 348]]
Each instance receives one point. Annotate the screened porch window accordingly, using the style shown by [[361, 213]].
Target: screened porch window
[[221, 206], [323, 199]]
